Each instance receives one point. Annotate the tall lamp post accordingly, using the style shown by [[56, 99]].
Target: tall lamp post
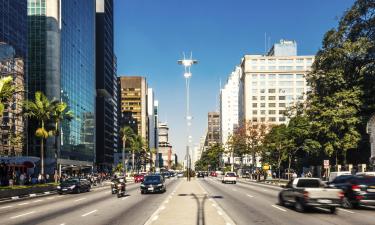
[[187, 63]]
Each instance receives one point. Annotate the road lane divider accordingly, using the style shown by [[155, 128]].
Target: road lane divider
[[86, 214], [77, 200], [37, 201], [5, 207], [250, 196], [277, 207], [25, 214], [344, 210], [25, 203]]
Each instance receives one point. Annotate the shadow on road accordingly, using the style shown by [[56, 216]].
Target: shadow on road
[[200, 201]]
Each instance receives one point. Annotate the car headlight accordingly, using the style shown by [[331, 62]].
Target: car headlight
[[58, 187], [159, 185], [72, 187], [112, 183], [142, 185]]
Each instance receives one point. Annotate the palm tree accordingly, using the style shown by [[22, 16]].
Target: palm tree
[[7, 89], [41, 110], [59, 114], [127, 135]]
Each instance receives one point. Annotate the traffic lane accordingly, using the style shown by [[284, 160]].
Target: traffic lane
[[59, 205], [363, 215], [72, 212], [134, 208], [39, 201], [249, 207]]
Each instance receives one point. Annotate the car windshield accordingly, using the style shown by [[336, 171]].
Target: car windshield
[[230, 175], [152, 179], [69, 182], [309, 183]]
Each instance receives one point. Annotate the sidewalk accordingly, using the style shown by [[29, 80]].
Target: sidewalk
[[189, 205]]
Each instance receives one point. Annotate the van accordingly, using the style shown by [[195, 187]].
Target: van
[[333, 175]]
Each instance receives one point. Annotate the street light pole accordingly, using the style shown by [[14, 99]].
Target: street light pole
[[187, 63]]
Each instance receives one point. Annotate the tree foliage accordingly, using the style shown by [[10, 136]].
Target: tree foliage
[[210, 158]]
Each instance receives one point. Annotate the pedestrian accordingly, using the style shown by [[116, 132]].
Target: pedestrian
[[47, 177], [22, 179], [294, 175]]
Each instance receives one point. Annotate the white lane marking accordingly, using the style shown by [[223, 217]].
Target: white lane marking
[[233, 189], [25, 214], [60, 196], [86, 214], [122, 199], [155, 218], [37, 201], [4, 207], [346, 210], [250, 196], [264, 190], [32, 195], [281, 209], [79, 199], [219, 212], [62, 224], [162, 208], [213, 205], [50, 198], [26, 203]]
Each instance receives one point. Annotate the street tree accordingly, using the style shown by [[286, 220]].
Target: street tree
[[7, 90], [41, 110], [128, 135]]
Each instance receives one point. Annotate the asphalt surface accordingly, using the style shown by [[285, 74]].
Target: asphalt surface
[[96, 207], [251, 203]]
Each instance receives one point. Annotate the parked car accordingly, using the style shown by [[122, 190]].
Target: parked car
[[180, 175], [166, 175], [303, 193], [200, 174], [229, 177], [246, 174], [153, 183], [333, 175], [74, 186], [358, 190], [138, 178]]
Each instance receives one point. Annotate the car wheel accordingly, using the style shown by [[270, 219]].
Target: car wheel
[[142, 192], [299, 206], [332, 210], [78, 190], [281, 201], [235, 182], [346, 203]]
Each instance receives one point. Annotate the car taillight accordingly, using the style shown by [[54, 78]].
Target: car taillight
[[306, 194], [356, 188], [341, 195]]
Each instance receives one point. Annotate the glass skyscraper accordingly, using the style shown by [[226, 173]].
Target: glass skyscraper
[[62, 65]]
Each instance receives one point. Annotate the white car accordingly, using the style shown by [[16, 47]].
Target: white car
[[229, 177], [180, 175]]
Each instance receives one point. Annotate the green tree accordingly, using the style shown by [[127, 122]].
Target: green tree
[[41, 110], [127, 138], [7, 90], [342, 81], [210, 158]]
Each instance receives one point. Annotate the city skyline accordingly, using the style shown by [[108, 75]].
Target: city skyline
[[149, 42]]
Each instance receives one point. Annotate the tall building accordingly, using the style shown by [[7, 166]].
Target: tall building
[[133, 103], [152, 113], [12, 133], [61, 50], [165, 148], [13, 26], [107, 129], [270, 83], [229, 105], [213, 128]]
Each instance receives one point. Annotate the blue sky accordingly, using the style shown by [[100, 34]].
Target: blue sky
[[150, 36]]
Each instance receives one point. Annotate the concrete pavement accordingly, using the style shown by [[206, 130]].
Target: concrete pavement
[[189, 204]]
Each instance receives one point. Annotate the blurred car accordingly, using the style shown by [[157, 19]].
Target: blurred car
[[138, 178], [166, 175], [152, 184], [213, 174], [74, 186], [229, 177], [200, 174], [180, 175], [246, 175], [358, 190]]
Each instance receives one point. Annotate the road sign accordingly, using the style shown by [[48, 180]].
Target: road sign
[[326, 164]]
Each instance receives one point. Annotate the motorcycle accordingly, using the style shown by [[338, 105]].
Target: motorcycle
[[120, 190]]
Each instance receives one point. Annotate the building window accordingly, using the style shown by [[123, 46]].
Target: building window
[[255, 98], [271, 90], [271, 76], [262, 98], [255, 119], [254, 76], [282, 112], [271, 104], [272, 112], [262, 105], [286, 76], [281, 104], [281, 119], [272, 119], [255, 105], [271, 97], [300, 83], [263, 119], [281, 97], [262, 90], [299, 60], [262, 112], [255, 112]]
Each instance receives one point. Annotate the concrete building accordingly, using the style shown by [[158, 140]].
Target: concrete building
[[12, 131], [270, 83], [133, 104], [107, 112], [165, 148], [213, 128], [61, 64], [152, 113]]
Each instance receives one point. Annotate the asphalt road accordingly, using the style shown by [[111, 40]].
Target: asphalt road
[[96, 207], [251, 203]]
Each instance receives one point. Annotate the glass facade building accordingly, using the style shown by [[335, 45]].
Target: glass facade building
[[61, 46]]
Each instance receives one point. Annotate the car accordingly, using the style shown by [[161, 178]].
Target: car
[[152, 184], [76, 185], [180, 175], [213, 174], [166, 175], [358, 190], [200, 175], [303, 193], [333, 175], [229, 177], [138, 178]]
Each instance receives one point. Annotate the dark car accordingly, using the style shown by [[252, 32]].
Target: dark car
[[74, 186], [152, 184], [358, 190], [200, 174], [166, 175]]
